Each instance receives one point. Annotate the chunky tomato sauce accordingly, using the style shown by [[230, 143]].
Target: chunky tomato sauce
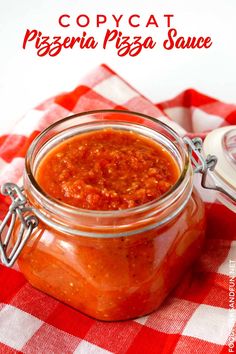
[[121, 277], [107, 170], [118, 278]]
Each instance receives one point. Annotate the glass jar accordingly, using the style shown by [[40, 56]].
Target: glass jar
[[111, 265]]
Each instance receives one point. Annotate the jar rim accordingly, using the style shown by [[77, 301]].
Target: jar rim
[[64, 207]]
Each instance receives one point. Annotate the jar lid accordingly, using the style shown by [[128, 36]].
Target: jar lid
[[221, 142]]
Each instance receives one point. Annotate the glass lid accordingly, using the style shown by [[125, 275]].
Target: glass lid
[[229, 146], [221, 142]]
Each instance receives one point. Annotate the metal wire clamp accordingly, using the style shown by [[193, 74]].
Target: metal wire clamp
[[17, 210], [204, 165]]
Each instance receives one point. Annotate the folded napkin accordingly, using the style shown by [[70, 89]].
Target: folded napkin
[[195, 318]]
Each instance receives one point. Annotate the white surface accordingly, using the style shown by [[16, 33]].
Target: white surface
[[225, 266], [206, 324], [17, 326], [116, 95], [203, 121], [26, 79]]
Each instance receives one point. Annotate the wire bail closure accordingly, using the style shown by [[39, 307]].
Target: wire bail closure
[[9, 251], [200, 164], [204, 165]]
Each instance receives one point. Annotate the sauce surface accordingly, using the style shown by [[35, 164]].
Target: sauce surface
[[107, 170]]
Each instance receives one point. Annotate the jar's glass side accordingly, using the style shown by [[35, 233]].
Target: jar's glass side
[[55, 210], [117, 278], [102, 119], [120, 277]]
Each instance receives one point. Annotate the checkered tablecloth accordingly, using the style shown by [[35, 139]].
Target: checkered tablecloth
[[195, 318]]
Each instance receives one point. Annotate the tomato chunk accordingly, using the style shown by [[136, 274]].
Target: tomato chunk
[[107, 170]]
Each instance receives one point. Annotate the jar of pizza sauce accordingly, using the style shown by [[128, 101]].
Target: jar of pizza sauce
[[108, 219]]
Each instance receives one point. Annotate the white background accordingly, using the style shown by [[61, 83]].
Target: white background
[[26, 79]]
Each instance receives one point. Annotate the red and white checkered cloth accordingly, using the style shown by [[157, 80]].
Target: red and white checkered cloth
[[195, 318]]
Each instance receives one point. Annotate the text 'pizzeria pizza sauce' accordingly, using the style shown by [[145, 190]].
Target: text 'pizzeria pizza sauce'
[[107, 170]]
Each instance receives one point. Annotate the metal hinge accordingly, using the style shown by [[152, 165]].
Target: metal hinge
[[9, 250], [204, 165]]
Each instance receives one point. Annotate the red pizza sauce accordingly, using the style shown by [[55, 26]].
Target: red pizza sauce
[[128, 275], [107, 170]]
